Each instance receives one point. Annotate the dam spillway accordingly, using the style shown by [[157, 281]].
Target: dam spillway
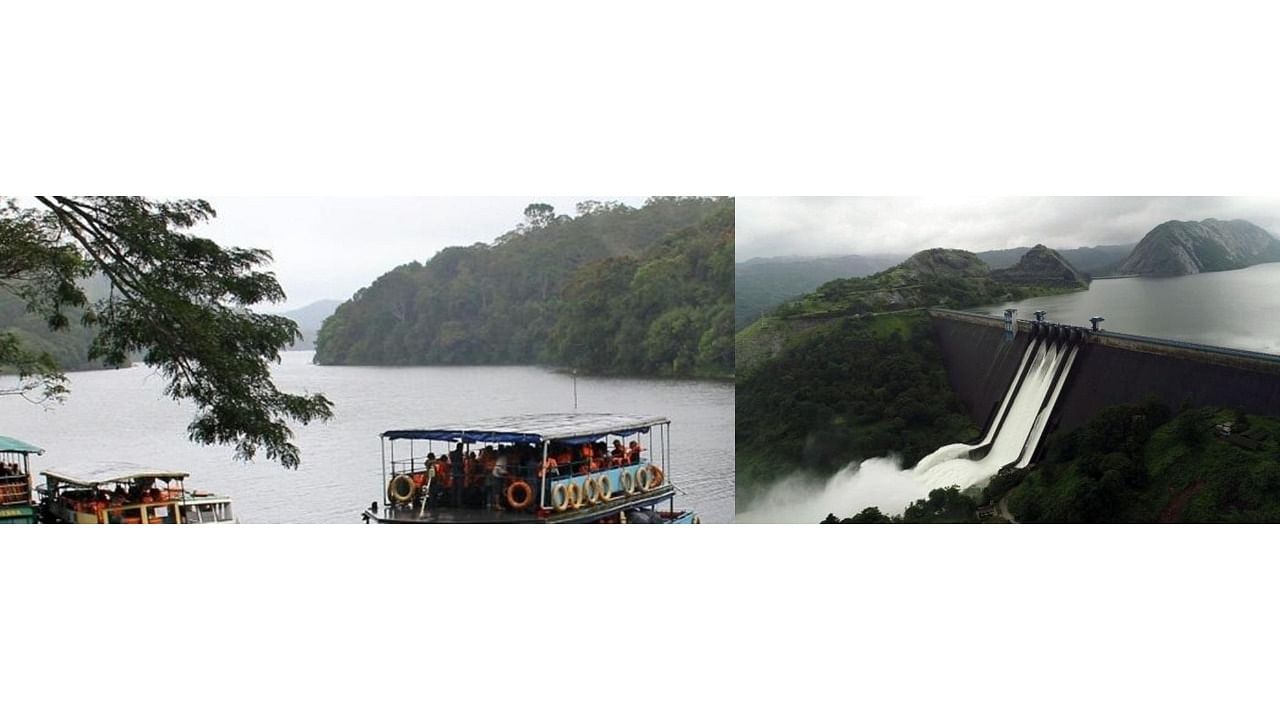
[[1016, 428], [1110, 369]]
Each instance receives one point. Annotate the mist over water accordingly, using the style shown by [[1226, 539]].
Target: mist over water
[[884, 483]]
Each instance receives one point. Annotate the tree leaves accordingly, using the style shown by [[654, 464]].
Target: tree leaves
[[180, 301]]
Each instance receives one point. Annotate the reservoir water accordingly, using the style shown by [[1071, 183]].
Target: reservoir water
[[123, 415], [1237, 309]]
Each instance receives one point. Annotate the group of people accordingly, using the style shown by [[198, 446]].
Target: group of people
[[92, 501], [461, 475], [10, 470]]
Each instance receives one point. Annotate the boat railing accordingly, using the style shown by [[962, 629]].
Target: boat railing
[[116, 512], [412, 466], [15, 490]]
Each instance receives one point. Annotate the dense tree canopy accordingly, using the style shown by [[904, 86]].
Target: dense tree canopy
[[614, 290], [179, 301], [850, 390]]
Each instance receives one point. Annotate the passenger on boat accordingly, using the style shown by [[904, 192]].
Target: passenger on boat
[[633, 456], [589, 457], [496, 483], [457, 467], [430, 472], [619, 455], [473, 470]]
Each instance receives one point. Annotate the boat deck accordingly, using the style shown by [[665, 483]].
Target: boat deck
[[458, 515]]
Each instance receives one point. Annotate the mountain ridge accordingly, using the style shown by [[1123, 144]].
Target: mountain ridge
[[1188, 247]]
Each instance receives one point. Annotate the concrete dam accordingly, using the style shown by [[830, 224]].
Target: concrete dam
[[984, 364]]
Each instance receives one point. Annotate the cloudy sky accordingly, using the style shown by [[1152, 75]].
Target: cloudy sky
[[327, 248], [769, 227]]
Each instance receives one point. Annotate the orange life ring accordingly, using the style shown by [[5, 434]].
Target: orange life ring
[[400, 489], [658, 477], [526, 495], [561, 501]]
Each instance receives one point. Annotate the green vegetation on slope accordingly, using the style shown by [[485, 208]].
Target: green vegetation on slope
[[615, 290], [849, 390], [944, 505], [763, 284], [1142, 464], [69, 348], [947, 278]]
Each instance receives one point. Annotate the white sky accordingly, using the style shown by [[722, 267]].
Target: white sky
[[327, 248], [769, 227]]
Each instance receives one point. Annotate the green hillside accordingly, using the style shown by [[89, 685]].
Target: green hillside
[[1144, 464], [69, 347], [762, 284], [616, 289]]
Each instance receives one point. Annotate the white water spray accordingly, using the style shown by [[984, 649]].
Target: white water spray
[[1014, 434]]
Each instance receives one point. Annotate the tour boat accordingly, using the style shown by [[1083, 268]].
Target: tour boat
[[124, 493], [555, 468], [16, 507]]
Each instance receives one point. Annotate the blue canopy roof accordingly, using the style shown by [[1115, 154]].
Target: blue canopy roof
[[562, 427], [8, 444]]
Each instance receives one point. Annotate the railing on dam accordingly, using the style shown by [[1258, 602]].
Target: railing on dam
[[1264, 362]]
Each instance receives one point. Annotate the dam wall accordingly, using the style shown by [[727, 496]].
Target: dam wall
[[1110, 369], [980, 361]]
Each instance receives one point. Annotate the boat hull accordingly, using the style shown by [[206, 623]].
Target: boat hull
[[640, 508]]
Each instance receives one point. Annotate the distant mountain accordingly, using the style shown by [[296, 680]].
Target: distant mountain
[[309, 319], [1042, 266], [762, 284], [1186, 248], [1093, 261]]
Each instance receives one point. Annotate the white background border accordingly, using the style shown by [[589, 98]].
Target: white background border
[[562, 98]]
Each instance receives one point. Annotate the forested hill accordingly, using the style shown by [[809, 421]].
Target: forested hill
[[68, 347], [615, 289]]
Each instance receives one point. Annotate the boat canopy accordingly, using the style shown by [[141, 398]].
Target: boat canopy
[[102, 473], [14, 445], [572, 428]]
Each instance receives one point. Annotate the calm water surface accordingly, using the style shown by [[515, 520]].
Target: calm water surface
[[1237, 309], [123, 415]]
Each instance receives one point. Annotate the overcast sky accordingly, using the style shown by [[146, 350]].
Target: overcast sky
[[327, 248], [769, 227]]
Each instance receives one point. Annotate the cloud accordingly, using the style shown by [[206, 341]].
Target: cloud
[[868, 225]]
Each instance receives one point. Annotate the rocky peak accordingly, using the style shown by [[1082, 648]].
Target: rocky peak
[[1042, 266]]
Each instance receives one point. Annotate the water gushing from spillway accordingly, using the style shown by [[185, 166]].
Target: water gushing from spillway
[[1014, 433]]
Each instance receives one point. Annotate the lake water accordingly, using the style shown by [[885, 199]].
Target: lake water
[[1237, 309], [123, 415]]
